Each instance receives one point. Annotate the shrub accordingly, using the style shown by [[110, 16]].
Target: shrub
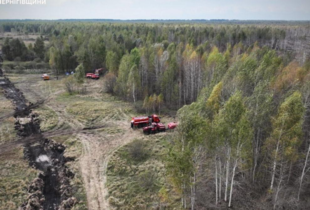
[[70, 84], [136, 151], [109, 83], [147, 181], [80, 74]]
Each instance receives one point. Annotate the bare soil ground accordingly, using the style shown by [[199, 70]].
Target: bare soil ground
[[96, 154]]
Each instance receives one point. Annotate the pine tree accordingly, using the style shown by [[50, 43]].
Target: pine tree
[[39, 47]]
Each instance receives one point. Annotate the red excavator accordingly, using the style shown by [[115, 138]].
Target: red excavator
[[94, 75]]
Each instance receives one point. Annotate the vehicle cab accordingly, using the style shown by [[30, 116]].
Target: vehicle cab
[[45, 77]]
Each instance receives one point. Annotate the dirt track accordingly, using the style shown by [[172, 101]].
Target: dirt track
[[95, 160]]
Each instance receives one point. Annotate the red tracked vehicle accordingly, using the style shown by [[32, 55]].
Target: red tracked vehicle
[[154, 128], [94, 75]]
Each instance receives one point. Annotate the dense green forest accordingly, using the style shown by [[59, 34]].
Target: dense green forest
[[242, 94], [168, 59]]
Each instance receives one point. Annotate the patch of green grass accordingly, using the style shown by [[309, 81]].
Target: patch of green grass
[[137, 181], [50, 87], [89, 111], [7, 132], [5, 105], [135, 152], [15, 176], [64, 97], [74, 149], [48, 118], [111, 130]]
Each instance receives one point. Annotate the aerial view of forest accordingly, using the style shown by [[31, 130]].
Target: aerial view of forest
[[107, 110]]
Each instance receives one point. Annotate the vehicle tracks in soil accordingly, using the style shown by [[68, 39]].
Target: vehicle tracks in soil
[[98, 147], [97, 151]]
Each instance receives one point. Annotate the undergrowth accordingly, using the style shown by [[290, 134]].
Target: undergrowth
[[137, 176]]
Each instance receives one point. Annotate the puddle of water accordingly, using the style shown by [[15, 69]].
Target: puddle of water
[[42, 159]]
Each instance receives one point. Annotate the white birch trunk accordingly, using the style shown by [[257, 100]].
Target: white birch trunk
[[232, 182], [184, 199], [193, 192], [220, 180], [133, 93], [255, 154], [227, 174], [275, 160], [278, 188], [216, 184], [303, 172], [274, 165]]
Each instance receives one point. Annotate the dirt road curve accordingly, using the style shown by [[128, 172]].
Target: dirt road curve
[[94, 162]]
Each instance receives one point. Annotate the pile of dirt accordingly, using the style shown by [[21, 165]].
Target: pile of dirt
[[51, 189], [32, 125]]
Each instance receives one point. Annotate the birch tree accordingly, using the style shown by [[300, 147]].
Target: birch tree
[[133, 82], [52, 60], [121, 83], [184, 156], [234, 132], [213, 106], [285, 138]]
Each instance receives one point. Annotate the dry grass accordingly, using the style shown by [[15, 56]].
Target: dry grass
[[5, 105], [48, 118], [74, 149], [90, 111], [15, 173], [15, 176], [49, 88], [7, 132], [136, 184]]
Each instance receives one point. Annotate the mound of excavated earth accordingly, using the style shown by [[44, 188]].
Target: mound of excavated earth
[[51, 190]]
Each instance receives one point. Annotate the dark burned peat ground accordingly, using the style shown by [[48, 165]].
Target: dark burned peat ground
[[51, 188]]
